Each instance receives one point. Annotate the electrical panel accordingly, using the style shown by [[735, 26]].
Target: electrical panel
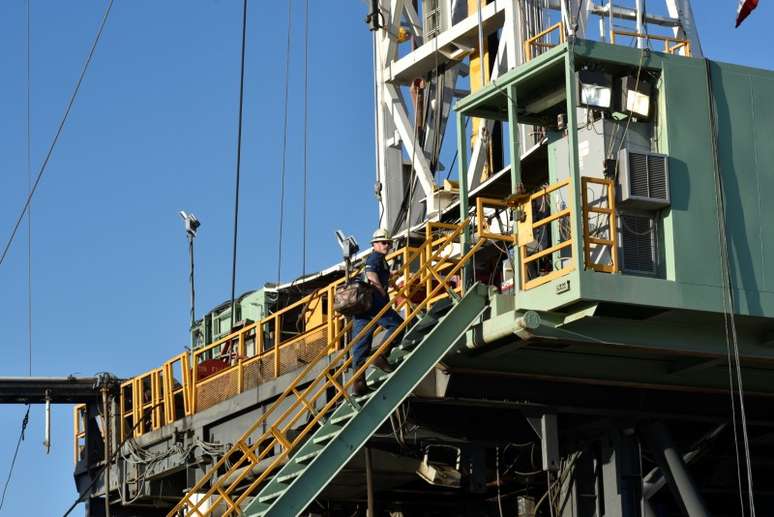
[[643, 180]]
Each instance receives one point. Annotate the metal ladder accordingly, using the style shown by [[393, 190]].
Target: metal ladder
[[328, 450], [229, 485]]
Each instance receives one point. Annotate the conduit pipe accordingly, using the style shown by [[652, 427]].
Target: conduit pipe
[[519, 323]]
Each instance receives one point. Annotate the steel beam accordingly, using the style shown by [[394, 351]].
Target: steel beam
[[59, 390], [673, 467]]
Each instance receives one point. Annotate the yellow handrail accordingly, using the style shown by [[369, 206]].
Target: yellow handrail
[[529, 226], [154, 398], [79, 430], [242, 457], [608, 211], [679, 44], [534, 41]]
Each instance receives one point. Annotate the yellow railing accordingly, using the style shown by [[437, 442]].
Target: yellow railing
[[538, 257], [671, 45], [483, 223], [79, 430], [229, 486], [541, 40], [603, 206], [189, 383]]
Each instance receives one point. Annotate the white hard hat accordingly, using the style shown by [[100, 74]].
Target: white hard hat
[[381, 235]]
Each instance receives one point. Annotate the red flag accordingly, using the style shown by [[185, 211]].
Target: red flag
[[745, 8]]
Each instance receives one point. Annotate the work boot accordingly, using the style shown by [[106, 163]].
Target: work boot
[[359, 387], [383, 364]]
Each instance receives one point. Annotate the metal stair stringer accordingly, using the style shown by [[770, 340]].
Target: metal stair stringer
[[305, 482]]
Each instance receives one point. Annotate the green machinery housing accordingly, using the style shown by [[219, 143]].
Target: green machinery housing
[[695, 163]]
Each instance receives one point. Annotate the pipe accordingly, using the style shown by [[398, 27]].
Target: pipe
[[47, 424], [672, 466], [106, 422], [518, 324], [640, 6], [369, 483]]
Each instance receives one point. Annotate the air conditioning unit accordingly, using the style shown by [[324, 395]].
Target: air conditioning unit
[[639, 243], [643, 180]]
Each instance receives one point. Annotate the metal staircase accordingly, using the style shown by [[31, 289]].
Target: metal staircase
[[334, 443], [310, 431]]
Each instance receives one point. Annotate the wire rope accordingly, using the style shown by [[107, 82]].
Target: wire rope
[[306, 133], [284, 145], [25, 421], [238, 159], [58, 133], [29, 209], [729, 320]]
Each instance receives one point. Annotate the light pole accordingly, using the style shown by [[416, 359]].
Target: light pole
[[191, 225]]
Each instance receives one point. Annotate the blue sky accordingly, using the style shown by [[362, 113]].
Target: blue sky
[[153, 132]]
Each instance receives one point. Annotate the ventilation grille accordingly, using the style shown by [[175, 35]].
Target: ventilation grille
[[644, 180], [638, 244]]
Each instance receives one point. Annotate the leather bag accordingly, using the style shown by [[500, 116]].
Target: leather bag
[[353, 298]]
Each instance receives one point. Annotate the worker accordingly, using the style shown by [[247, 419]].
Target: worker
[[378, 275]]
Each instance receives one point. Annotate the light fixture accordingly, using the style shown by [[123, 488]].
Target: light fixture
[[595, 89], [635, 97], [441, 473]]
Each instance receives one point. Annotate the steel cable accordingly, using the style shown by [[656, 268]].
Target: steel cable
[[284, 145], [238, 159], [58, 133], [29, 209], [729, 323], [306, 133], [25, 421]]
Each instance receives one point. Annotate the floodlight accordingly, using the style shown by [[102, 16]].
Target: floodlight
[[635, 96], [348, 244], [191, 223], [595, 89]]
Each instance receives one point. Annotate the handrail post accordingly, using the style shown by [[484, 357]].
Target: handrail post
[[194, 380], [277, 333]]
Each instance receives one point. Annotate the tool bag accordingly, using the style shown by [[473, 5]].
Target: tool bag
[[353, 298]]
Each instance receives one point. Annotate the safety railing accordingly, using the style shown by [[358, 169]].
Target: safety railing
[[600, 233], [542, 40], [225, 486], [671, 45], [545, 235], [79, 430], [484, 221], [256, 353]]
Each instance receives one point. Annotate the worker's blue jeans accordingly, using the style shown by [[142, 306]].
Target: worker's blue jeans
[[362, 349]]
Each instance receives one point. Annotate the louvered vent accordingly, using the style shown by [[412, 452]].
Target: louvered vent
[[643, 180], [638, 244]]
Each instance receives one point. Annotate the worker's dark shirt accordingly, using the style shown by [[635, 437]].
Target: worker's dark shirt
[[375, 263]]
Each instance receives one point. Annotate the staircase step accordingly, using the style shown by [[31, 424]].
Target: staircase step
[[323, 436], [417, 333], [343, 417], [304, 457], [282, 477], [377, 376], [362, 399], [441, 307], [425, 324], [275, 491], [259, 509]]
